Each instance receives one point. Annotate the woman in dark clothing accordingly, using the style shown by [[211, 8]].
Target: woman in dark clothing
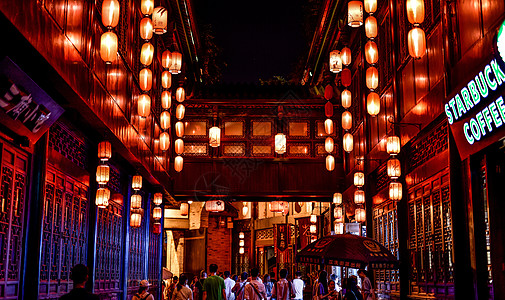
[[352, 292], [322, 289]]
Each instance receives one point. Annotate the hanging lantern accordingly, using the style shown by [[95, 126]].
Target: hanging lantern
[[373, 104], [179, 146], [165, 120], [328, 109], [147, 7], [335, 61], [135, 220], [104, 151], [166, 100], [345, 55], [146, 28], [393, 145], [110, 13], [245, 209], [415, 11], [339, 228], [360, 215], [215, 136], [179, 112], [359, 196], [137, 182], [180, 94], [179, 129], [338, 213], [313, 229], [359, 179], [328, 126], [157, 213], [330, 163], [108, 47], [241, 243], [280, 143], [102, 197], [175, 67], [164, 141], [144, 105], [135, 201], [146, 54], [241, 250], [346, 120], [371, 27], [348, 143], [214, 206], [102, 174], [278, 206], [371, 52], [178, 163], [417, 42], [313, 219], [158, 198], [241, 235], [329, 145], [166, 79], [184, 209], [346, 77], [355, 13], [370, 6], [166, 59], [328, 91], [337, 198], [372, 78], [156, 227], [160, 19], [395, 191], [394, 168], [146, 79], [346, 99]]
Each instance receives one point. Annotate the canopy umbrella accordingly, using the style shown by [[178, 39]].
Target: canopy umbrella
[[348, 250]]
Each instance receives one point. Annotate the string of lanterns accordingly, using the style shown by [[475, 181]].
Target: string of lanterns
[[241, 243], [416, 36], [157, 212], [136, 202], [329, 146], [372, 57], [108, 40], [394, 168], [338, 214], [313, 226], [180, 96], [103, 174]]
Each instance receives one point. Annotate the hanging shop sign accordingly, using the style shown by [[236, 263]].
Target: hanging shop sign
[[476, 112], [281, 237], [25, 109]]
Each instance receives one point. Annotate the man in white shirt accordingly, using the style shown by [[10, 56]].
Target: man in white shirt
[[282, 289], [255, 290], [228, 285], [298, 286]]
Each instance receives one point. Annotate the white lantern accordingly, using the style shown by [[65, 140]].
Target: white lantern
[[346, 99], [184, 209], [164, 141], [355, 13], [328, 126], [330, 163], [393, 145], [135, 201], [102, 197], [137, 182], [146, 54], [394, 168], [280, 143], [395, 191], [278, 206], [178, 163], [338, 213], [166, 79], [339, 228], [146, 28], [329, 145], [313, 219], [359, 196], [179, 146], [241, 243], [360, 215], [165, 120], [214, 206], [102, 174], [175, 67], [179, 129], [157, 212], [158, 198], [313, 229], [136, 219], [160, 20], [215, 136], [337, 198], [108, 47], [335, 61], [104, 151], [110, 13], [359, 179], [166, 100], [241, 250], [346, 120], [348, 143], [179, 112], [180, 94], [241, 235], [147, 7]]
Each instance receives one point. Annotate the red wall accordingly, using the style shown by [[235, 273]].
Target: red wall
[[219, 245]]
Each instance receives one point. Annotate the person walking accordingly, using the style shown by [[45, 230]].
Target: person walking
[[238, 289], [322, 286], [182, 291], [143, 293], [79, 275], [298, 286], [198, 289], [228, 285], [255, 290], [213, 286], [282, 288], [268, 286], [366, 285], [352, 292]]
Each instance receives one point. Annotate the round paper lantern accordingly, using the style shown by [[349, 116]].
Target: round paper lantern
[[338, 213], [104, 151], [278, 206], [165, 120], [339, 228], [156, 227], [108, 47], [110, 13], [102, 197], [329, 145], [395, 191], [157, 213], [215, 136], [372, 78], [175, 67], [280, 143], [346, 120], [373, 104], [417, 42], [135, 220], [179, 112], [160, 20], [415, 11], [348, 143], [328, 126], [355, 13], [337, 198], [184, 209], [147, 7], [313, 229], [328, 92], [144, 105], [330, 163], [135, 201], [178, 163], [166, 79], [146, 54], [146, 79], [137, 182], [394, 168], [146, 28], [345, 77], [179, 129], [166, 59], [214, 206], [102, 174], [179, 146], [360, 215], [164, 141], [335, 61], [166, 99], [393, 145], [371, 27], [346, 99], [359, 179], [359, 196], [370, 6], [345, 55], [371, 52], [158, 198], [328, 109], [180, 94]]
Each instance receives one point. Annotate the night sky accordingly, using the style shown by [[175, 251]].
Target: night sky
[[260, 38]]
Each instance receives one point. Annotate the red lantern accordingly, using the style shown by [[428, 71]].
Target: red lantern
[[345, 77], [108, 47], [372, 78], [166, 59], [180, 94], [164, 141], [346, 120], [135, 201], [371, 27], [166, 79], [373, 104], [328, 109], [345, 54], [157, 212], [137, 182], [415, 11], [328, 92], [417, 42], [104, 151], [179, 129], [175, 67], [370, 6], [157, 228], [146, 79], [110, 13], [146, 54], [166, 100], [348, 143], [146, 29], [165, 120], [144, 105]]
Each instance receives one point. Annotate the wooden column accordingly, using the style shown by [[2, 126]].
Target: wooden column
[[126, 239], [92, 219]]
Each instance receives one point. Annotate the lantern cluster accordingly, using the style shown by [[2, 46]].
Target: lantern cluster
[[372, 57], [313, 227], [108, 40], [103, 174], [241, 242], [394, 169], [329, 144], [136, 202], [338, 214], [180, 96], [416, 36], [158, 212], [359, 194]]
